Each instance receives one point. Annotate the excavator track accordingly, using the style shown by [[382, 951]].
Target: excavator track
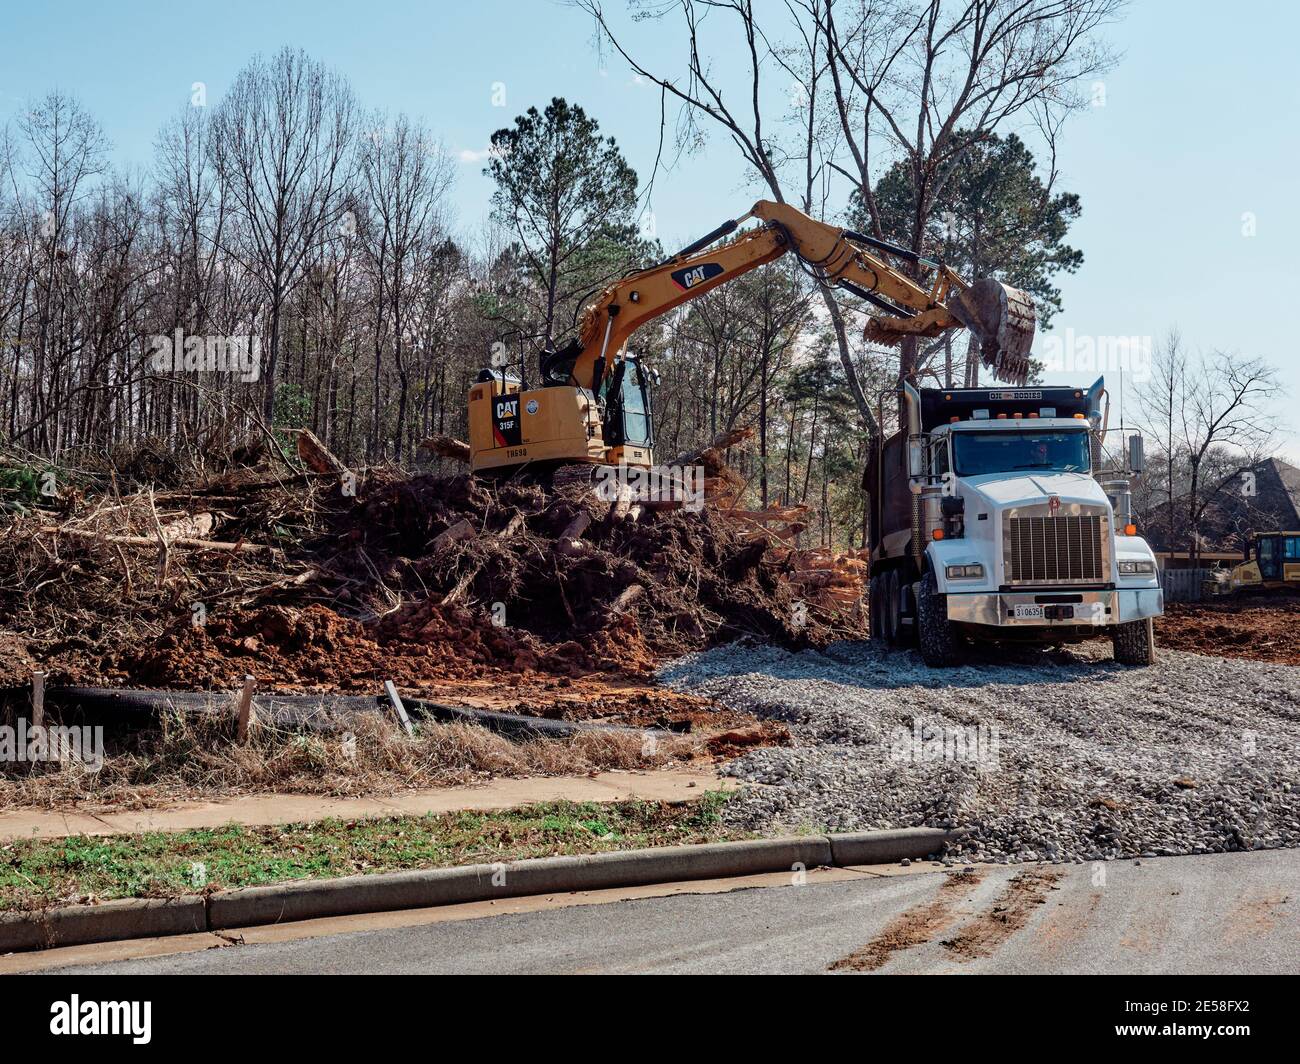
[[573, 478]]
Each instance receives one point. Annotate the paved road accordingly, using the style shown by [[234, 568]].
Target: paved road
[[1224, 913]]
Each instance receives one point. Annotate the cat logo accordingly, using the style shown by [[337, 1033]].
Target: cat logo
[[506, 430], [693, 276]]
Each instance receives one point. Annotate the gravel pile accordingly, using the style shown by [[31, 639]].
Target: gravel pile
[[1058, 756]]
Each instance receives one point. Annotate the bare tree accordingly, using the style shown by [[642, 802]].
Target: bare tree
[[900, 77], [405, 176], [1210, 415], [281, 141]]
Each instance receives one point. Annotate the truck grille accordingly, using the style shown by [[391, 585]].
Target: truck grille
[[1055, 550]]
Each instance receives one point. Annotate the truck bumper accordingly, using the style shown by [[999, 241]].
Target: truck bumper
[[1046, 608]]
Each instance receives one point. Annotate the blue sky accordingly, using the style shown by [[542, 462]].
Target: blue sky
[[1198, 130]]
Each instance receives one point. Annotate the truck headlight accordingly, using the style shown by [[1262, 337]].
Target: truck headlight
[[964, 572], [1137, 568]]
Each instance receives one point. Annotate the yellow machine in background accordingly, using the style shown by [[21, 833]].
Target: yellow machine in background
[[593, 405], [1272, 562]]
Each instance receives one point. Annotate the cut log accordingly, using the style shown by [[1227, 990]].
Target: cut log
[[462, 529], [447, 447], [622, 504], [576, 527], [569, 542], [628, 596], [316, 456]]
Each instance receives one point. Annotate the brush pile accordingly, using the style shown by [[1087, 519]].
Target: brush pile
[[302, 581]]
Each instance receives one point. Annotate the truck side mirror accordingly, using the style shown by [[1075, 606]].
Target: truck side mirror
[[1136, 455]]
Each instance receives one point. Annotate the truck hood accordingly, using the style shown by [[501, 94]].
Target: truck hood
[[1001, 490]]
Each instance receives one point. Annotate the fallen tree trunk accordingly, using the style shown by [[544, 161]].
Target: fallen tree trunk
[[316, 456], [447, 447], [154, 541]]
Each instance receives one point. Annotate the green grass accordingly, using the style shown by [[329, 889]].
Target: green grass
[[36, 873]]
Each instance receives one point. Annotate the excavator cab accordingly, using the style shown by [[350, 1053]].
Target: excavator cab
[[1277, 555], [628, 422]]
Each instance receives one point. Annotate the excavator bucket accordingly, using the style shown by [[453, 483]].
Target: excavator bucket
[[1002, 319]]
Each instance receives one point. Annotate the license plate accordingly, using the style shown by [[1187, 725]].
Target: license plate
[[1029, 613]]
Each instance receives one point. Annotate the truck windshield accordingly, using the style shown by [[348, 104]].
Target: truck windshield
[[977, 453]]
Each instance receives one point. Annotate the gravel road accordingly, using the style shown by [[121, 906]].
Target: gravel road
[[1059, 755]]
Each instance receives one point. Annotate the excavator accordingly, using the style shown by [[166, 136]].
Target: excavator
[[1271, 563], [593, 406]]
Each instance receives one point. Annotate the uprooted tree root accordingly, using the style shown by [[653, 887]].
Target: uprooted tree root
[[193, 756]]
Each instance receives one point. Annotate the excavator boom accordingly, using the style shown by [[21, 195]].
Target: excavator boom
[[1000, 317]]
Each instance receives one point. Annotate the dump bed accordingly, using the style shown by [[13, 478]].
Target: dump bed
[[889, 495]]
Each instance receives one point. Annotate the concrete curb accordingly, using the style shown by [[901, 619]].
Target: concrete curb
[[113, 920], [384, 892]]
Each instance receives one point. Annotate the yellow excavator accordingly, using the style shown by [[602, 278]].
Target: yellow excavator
[[593, 406], [1271, 563]]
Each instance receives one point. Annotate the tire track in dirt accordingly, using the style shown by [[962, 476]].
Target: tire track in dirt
[[917, 926], [1010, 911]]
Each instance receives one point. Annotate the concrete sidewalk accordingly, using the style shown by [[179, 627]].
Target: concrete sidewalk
[[670, 785]]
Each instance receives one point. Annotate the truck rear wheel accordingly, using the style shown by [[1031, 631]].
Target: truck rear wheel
[[940, 642], [1135, 642]]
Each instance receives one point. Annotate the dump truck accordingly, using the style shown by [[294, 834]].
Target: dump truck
[[989, 521]]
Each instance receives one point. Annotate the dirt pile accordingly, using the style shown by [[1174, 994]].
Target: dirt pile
[[1261, 627], [412, 579]]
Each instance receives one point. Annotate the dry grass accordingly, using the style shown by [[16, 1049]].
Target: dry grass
[[195, 757]]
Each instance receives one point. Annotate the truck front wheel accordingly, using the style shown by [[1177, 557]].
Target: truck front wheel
[[938, 636], [1135, 642]]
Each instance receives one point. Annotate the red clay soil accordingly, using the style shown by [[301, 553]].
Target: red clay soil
[[1261, 627]]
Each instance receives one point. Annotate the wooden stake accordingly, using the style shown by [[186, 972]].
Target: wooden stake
[[245, 709], [398, 708], [38, 699]]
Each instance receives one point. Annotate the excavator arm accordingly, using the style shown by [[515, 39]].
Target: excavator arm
[[1001, 318]]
